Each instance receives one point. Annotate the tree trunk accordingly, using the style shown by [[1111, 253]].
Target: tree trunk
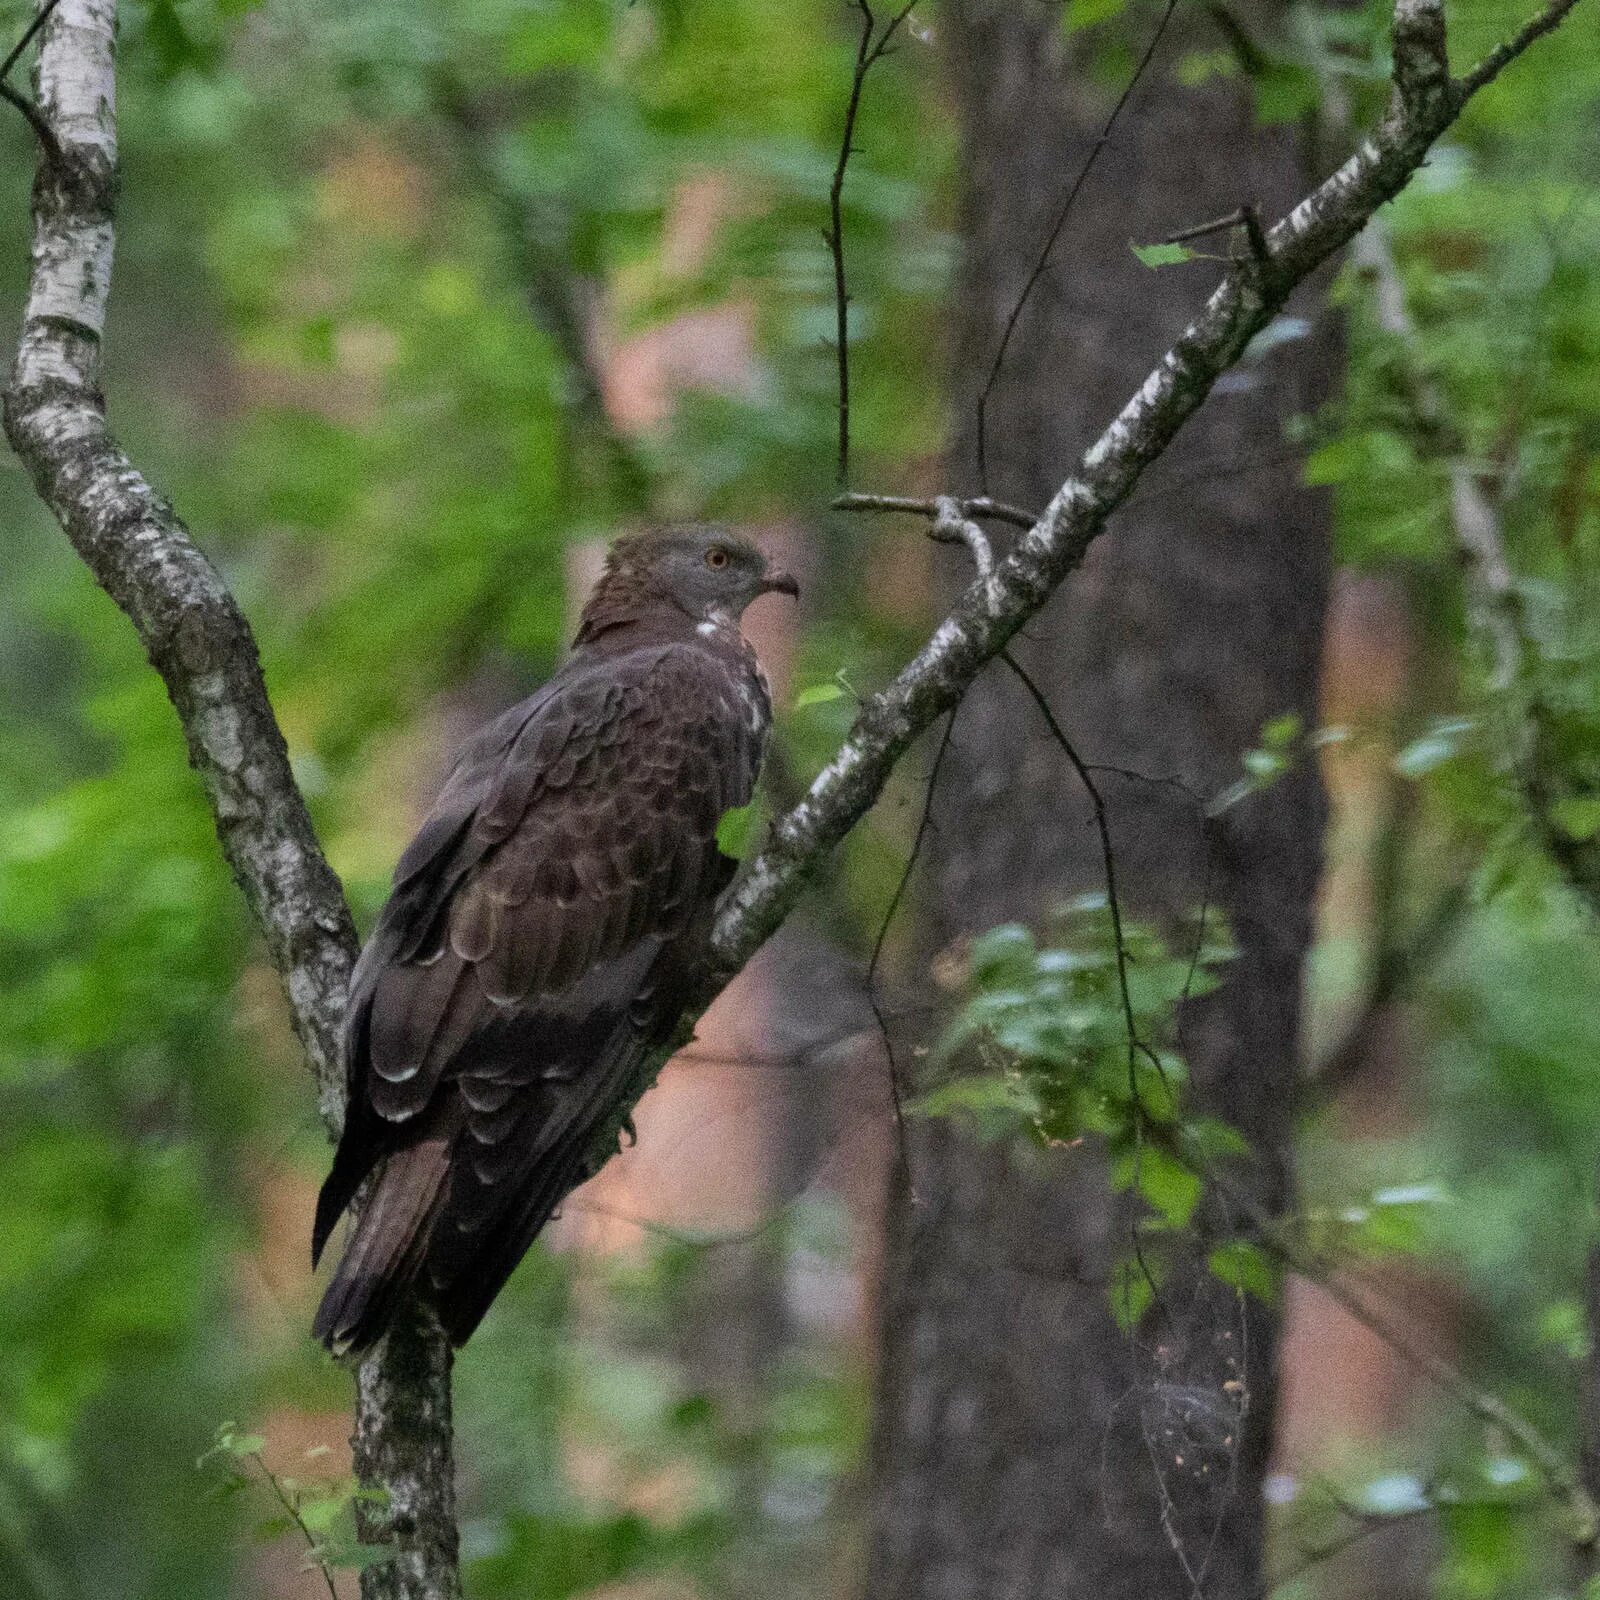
[[1025, 1447]]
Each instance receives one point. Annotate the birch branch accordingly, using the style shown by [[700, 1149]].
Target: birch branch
[[143, 557], [199, 641], [1425, 101]]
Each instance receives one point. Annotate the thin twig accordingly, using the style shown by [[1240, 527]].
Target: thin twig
[[1202, 230], [924, 822], [1368, 1524], [1054, 236], [951, 527], [43, 132], [868, 53], [1136, 1043], [1503, 55], [41, 16], [283, 1499], [1278, 1240]]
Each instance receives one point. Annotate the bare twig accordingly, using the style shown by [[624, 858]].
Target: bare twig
[[29, 34], [1583, 1517], [977, 506], [950, 526], [1366, 1525], [1041, 264], [1501, 57], [869, 51], [1108, 859], [42, 130], [924, 822], [1203, 230], [1245, 216]]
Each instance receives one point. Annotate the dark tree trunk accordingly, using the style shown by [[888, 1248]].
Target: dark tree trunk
[[1025, 1447]]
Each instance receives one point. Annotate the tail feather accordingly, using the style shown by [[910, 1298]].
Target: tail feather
[[387, 1249]]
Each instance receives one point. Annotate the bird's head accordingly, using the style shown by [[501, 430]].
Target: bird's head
[[708, 573]]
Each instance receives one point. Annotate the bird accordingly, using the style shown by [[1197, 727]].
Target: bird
[[545, 929]]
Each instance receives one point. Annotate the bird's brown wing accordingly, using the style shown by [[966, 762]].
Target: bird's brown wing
[[536, 946]]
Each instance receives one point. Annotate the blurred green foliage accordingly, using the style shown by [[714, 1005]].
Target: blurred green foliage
[[336, 344]]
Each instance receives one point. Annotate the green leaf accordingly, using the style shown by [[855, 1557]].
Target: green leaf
[[1133, 1286], [323, 1511], [1281, 731], [998, 1104], [818, 694], [1002, 952], [1246, 1266], [1080, 14], [1171, 1188], [1394, 1494], [1214, 1138], [1161, 255], [358, 1556], [1577, 816], [1285, 91], [735, 829], [1439, 744]]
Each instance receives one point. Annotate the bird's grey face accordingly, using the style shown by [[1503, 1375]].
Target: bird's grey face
[[713, 574]]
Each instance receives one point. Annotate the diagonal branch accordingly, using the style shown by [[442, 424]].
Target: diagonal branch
[[1494, 601], [1425, 102]]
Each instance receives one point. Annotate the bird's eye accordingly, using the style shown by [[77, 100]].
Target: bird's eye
[[716, 557]]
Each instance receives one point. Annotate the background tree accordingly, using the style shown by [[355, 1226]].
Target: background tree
[[1027, 1443]]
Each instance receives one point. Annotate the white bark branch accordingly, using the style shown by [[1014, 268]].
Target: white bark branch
[[200, 643], [143, 557]]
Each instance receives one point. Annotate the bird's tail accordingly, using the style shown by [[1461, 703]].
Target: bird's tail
[[388, 1247]]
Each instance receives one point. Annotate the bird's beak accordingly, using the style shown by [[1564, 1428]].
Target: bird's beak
[[781, 582]]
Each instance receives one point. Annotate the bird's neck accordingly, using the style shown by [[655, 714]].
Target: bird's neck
[[625, 603], [625, 610]]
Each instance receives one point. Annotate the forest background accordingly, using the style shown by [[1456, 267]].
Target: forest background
[[415, 302]]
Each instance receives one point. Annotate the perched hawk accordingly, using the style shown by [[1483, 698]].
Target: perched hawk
[[545, 928]]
